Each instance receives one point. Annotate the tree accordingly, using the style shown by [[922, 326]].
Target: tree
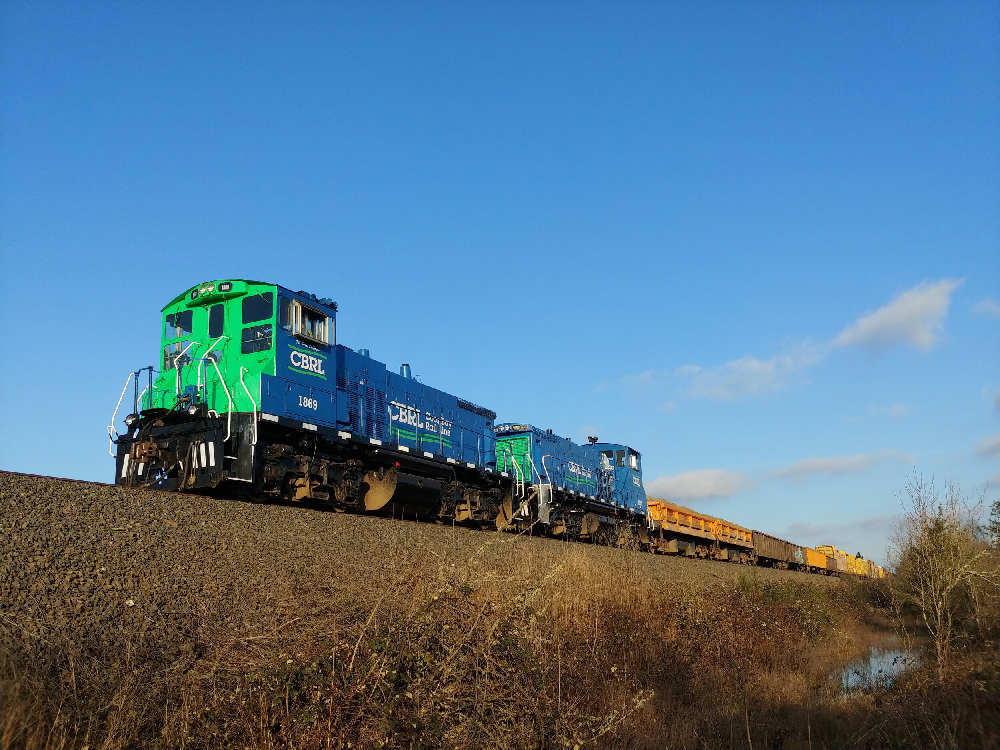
[[944, 570], [993, 525]]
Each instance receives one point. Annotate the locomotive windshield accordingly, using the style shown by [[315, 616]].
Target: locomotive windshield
[[175, 354], [258, 307], [179, 324]]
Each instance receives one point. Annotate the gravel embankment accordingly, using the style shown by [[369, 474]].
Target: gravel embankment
[[88, 562]]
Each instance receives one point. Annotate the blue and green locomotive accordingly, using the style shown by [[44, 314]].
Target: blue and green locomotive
[[254, 397]]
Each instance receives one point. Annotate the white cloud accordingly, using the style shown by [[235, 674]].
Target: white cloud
[[642, 380], [989, 446], [687, 370], [897, 411], [829, 532], [893, 411], [987, 307], [698, 485], [749, 376], [835, 465], [914, 318]]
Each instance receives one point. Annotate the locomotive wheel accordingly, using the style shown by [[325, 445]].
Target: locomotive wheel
[[381, 487], [643, 532], [589, 525], [505, 514]]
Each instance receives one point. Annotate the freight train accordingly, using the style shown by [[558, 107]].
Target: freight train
[[253, 397]]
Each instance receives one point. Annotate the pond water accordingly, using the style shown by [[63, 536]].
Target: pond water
[[876, 669]]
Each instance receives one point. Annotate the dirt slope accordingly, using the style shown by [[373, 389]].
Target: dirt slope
[[88, 556], [125, 599]]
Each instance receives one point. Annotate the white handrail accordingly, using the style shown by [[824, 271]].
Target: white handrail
[[139, 401], [242, 368], [518, 473], [112, 432], [201, 362], [546, 470], [533, 468], [229, 414], [178, 369]]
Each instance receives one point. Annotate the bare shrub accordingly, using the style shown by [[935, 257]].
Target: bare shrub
[[946, 572]]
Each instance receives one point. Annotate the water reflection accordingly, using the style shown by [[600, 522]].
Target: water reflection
[[877, 669]]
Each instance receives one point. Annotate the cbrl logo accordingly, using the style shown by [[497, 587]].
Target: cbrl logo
[[305, 362], [404, 414]]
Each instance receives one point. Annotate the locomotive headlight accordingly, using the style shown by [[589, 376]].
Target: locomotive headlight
[[131, 419], [210, 288], [192, 410]]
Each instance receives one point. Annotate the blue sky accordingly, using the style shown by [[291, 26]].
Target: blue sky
[[759, 242]]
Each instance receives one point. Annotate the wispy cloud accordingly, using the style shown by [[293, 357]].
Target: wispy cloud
[[836, 465], [897, 411], [699, 485], [893, 411], [749, 376], [831, 531], [914, 318], [988, 307], [642, 380], [989, 446]]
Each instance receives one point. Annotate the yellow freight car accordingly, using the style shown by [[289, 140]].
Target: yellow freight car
[[838, 555], [815, 560], [675, 529]]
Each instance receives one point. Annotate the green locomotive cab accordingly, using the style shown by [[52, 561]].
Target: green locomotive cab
[[216, 340]]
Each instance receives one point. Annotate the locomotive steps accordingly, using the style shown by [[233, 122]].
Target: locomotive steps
[[129, 616]]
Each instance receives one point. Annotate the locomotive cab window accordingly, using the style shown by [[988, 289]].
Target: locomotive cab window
[[307, 323], [258, 307], [179, 324], [633, 460], [607, 459], [216, 319], [620, 458], [256, 339], [175, 354]]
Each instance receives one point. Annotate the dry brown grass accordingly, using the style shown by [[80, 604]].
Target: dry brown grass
[[381, 634]]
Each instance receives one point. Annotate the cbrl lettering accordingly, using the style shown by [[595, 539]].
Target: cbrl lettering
[[404, 414], [305, 362]]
